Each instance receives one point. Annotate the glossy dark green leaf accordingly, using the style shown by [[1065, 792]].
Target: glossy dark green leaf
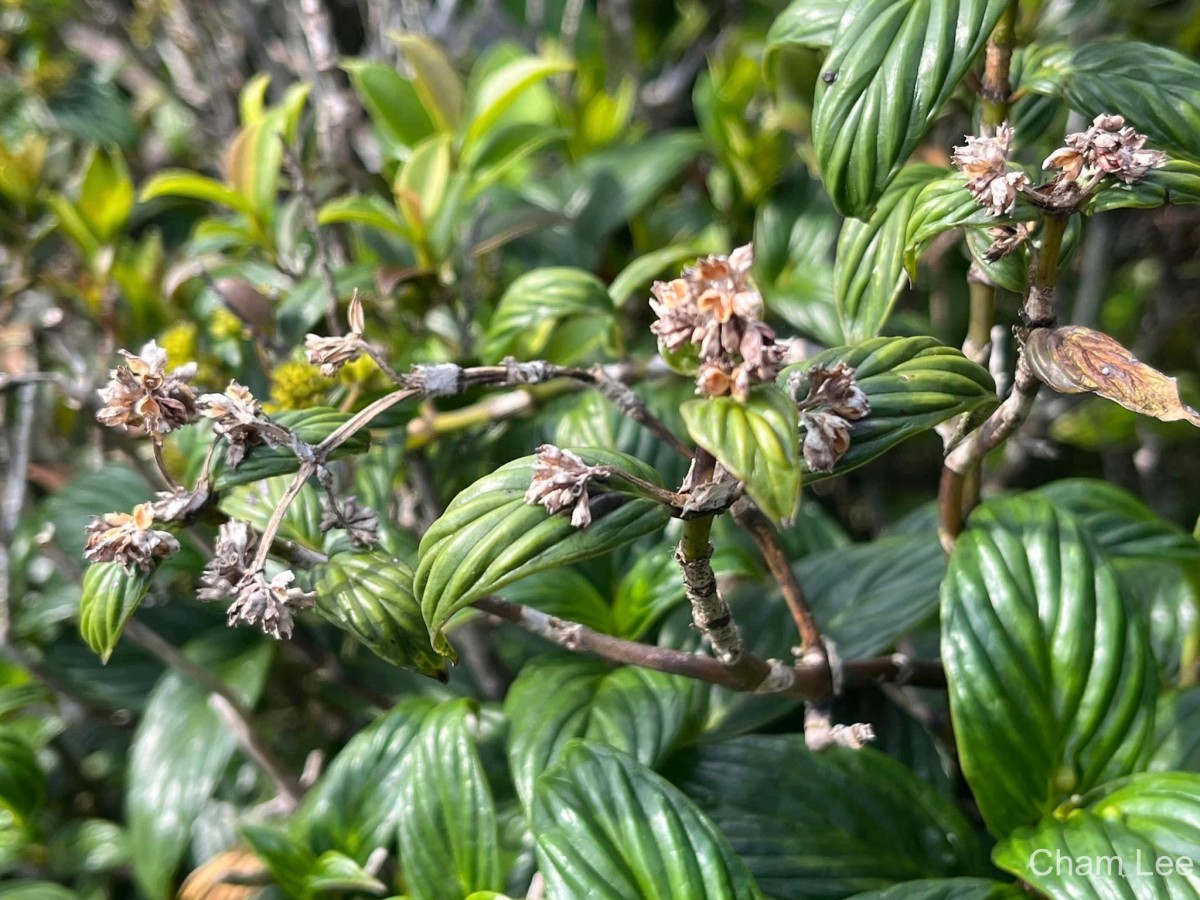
[[807, 24], [311, 425], [1051, 676], [286, 858], [110, 596], [866, 595], [181, 748], [256, 502], [22, 781], [869, 272], [609, 828], [558, 313], [353, 807], [489, 536], [448, 840], [824, 825], [556, 699], [1177, 182], [1177, 731], [946, 889], [333, 871], [1137, 838], [369, 595], [1157, 90], [565, 593], [647, 592], [756, 441], [913, 383], [107, 489], [893, 64]]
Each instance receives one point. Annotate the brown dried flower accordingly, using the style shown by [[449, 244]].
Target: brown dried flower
[[1006, 239], [359, 522], [141, 395], [237, 417], [984, 160], [269, 604], [826, 439], [1109, 147], [331, 353], [233, 555], [834, 388], [560, 480], [128, 539], [180, 506]]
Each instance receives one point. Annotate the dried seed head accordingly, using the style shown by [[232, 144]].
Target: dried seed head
[[826, 440], [331, 353], [560, 480], [1109, 147], [128, 539], [359, 522], [141, 395], [238, 417], [834, 388], [984, 160], [237, 543], [1006, 239], [180, 506], [269, 604]]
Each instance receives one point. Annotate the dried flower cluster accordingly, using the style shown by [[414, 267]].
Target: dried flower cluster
[[331, 353], [256, 601], [359, 522], [716, 307], [238, 417], [832, 402], [991, 181], [128, 539], [1110, 147], [560, 480], [142, 395], [1007, 238]]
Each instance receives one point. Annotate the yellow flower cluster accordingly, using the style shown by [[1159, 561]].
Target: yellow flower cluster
[[296, 384]]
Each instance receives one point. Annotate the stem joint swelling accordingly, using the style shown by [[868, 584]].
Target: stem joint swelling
[[710, 612]]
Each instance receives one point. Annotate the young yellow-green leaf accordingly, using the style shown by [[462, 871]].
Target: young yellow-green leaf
[[310, 425], [437, 83], [912, 383], [1137, 838], [448, 838], [421, 184], [489, 536], [610, 829], [756, 441], [1157, 90], [372, 211], [869, 268], [557, 698], [1051, 676], [110, 596], [396, 112], [253, 98], [557, 313], [22, 781], [892, 66], [183, 183], [106, 196], [501, 89], [73, 224], [370, 596]]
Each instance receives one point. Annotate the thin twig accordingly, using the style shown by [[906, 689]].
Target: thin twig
[[321, 247]]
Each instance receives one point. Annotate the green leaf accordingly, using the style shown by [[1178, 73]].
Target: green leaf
[[369, 595], [556, 699], [1177, 731], [1177, 182], [824, 825], [565, 593], [352, 808], [501, 89], [489, 536], [183, 183], [436, 82], [110, 596], [252, 100], [180, 750], [22, 781], [647, 592], [335, 872], [395, 108], [1051, 677], [609, 828], [866, 595], [806, 24], [945, 204], [1133, 839], [1157, 90], [35, 890], [756, 441], [869, 271], [106, 196], [311, 425], [912, 383], [288, 860], [75, 227], [539, 317], [371, 211], [644, 269], [449, 845], [894, 64], [256, 503], [421, 184], [946, 889]]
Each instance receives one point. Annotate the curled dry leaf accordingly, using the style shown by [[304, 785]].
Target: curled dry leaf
[[1077, 360]]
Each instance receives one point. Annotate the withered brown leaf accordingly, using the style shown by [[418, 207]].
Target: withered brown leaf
[[1077, 360]]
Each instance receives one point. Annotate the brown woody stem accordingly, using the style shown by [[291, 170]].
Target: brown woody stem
[[996, 90]]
